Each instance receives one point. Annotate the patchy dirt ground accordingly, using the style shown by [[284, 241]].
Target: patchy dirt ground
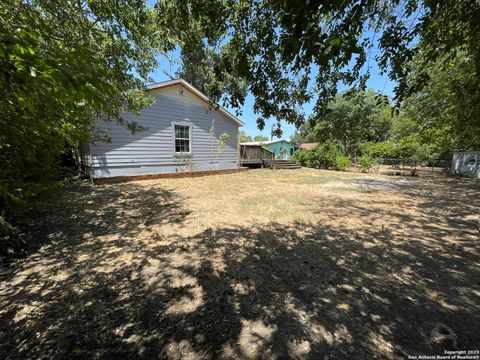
[[264, 264]]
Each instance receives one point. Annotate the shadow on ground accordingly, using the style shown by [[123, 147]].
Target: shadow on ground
[[109, 286]]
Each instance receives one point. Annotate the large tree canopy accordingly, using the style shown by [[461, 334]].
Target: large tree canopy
[[62, 64], [203, 68], [276, 46], [445, 111], [352, 118]]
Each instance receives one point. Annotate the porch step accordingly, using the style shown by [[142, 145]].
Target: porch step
[[285, 164]]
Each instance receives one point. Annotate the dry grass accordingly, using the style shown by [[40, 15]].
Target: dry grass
[[262, 264], [260, 196]]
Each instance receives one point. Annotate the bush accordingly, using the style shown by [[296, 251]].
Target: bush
[[325, 156], [366, 162], [409, 147], [342, 162], [300, 157], [9, 237], [380, 150]]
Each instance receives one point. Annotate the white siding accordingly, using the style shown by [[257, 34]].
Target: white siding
[[152, 151], [466, 163]]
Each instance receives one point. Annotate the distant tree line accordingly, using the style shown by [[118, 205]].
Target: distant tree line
[[243, 137], [429, 125]]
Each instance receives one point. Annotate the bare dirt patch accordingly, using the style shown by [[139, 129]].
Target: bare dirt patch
[[264, 264]]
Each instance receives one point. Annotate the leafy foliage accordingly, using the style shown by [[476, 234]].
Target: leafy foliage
[[205, 67], [446, 112], [326, 156], [61, 66], [366, 162], [186, 162], [11, 238], [412, 148], [243, 137], [431, 49], [382, 150], [260, 138], [353, 118], [275, 46], [300, 135], [409, 147]]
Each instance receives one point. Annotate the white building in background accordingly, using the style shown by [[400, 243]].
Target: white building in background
[[466, 163]]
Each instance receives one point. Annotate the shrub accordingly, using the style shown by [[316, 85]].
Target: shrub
[[342, 162], [410, 147], [326, 156], [300, 157], [186, 162], [366, 162]]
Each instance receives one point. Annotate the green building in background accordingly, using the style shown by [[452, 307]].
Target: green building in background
[[282, 149]]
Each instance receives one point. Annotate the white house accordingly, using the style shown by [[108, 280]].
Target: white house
[[183, 134]]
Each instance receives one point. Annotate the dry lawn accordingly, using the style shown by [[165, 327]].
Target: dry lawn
[[263, 264]]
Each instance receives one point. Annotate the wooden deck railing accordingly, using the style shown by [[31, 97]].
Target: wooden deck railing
[[256, 155]]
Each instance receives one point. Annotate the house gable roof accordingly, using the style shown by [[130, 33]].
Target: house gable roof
[[308, 146], [196, 92]]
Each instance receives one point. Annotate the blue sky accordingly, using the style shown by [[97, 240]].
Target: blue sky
[[379, 83]]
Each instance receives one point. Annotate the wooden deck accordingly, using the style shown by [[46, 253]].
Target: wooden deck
[[256, 155]]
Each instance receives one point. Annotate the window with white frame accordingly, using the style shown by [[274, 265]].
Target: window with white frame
[[182, 138]]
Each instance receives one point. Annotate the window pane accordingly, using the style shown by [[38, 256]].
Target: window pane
[[182, 145], [182, 138], [182, 131]]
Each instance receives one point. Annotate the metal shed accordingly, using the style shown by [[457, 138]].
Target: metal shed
[[466, 163]]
